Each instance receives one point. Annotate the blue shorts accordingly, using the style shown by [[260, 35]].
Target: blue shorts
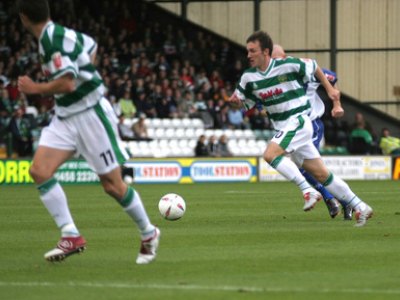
[[318, 132]]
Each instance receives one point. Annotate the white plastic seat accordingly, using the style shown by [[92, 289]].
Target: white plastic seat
[[190, 133], [228, 133], [192, 143], [175, 151], [248, 133], [159, 133], [262, 144], [163, 143], [245, 151], [183, 143], [179, 133], [143, 145], [166, 123], [218, 132], [128, 122], [148, 123], [199, 132], [169, 133], [209, 132], [187, 151], [238, 133], [232, 143], [242, 143], [155, 123], [235, 150], [252, 143], [197, 123], [173, 143], [186, 122], [177, 123]]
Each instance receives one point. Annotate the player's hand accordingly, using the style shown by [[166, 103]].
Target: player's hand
[[26, 85], [337, 111], [234, 99]]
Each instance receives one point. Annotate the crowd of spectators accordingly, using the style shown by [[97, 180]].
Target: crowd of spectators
[[150, 68]]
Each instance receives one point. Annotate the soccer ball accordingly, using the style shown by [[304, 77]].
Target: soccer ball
[[172, 207]]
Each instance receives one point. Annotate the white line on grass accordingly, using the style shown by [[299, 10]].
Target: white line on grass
[[285, 192], [197, 287]]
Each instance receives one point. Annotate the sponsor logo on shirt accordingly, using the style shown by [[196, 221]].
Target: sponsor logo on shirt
[[270, 94]]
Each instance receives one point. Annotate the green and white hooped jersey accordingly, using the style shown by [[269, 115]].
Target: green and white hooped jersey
[[280, 89], [65, 51]]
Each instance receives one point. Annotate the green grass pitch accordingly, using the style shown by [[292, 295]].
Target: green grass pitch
[[236, 241]]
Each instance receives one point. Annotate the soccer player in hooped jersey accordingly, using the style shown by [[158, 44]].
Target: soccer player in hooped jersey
[[83, 125], [317, 110], [278, 85]]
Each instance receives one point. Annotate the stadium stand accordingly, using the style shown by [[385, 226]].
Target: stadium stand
[[178, 74]]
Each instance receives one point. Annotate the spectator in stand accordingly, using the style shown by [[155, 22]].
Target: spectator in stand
[[212, 146], [163, 108], [361, 139], [388, 144], [146, 106], [12, 89], [140, 129], [201, 149], [258, 120], [234, 74], [5, 119], [44, 117], [222, 120], [20, 129], [235, 117], [187, 79], [127, 106], [223, 149], [185, 104], [125, 132], [5, 102], [201, 79]]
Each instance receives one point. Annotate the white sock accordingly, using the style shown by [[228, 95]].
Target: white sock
[[55, 200], [290, 171], [69, 230], [133, 206], [342, 192]]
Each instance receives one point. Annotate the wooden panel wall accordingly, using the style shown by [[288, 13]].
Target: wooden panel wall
[[297, 24], [305, 24]]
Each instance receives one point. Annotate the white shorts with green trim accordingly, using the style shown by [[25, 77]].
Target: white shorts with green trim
[[296, 139], [92, 133]]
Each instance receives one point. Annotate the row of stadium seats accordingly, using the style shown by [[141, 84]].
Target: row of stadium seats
[[157, 123], [178, 137], [168, 133], [185, 147]]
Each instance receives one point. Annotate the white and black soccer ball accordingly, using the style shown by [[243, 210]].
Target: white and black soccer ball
[[172, 207]]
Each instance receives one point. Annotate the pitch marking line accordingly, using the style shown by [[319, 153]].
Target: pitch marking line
[[283, 192], [196, 287]]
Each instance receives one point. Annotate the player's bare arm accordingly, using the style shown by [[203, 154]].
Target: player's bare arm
[[333, 94], [62, 85]]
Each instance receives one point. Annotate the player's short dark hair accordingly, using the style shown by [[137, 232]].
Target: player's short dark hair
[[36, 11], [264, 39]]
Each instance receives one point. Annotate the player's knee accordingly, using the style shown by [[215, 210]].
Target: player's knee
[[268, 157], [39, 173]]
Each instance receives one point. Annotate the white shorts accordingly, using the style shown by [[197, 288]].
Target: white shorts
[[92, 133], [296, 139]]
